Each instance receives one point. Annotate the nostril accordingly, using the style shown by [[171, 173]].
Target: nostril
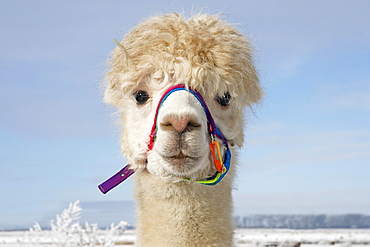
[[179, 124], [194, 124]]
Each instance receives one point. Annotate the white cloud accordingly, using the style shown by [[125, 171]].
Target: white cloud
[[327, 202], [291, 146], [53, 111], [346, 96], [353, 100], [288, 33]]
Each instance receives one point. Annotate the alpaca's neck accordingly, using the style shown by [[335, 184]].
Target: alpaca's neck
[[182, 214]]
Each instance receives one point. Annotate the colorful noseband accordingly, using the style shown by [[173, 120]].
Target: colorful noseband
[[222, 164]]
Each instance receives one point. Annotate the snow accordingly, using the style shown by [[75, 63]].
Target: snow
[[66, 230], [317, 237], [243, 238]]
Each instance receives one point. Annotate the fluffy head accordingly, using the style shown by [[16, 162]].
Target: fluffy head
[[202, 52]]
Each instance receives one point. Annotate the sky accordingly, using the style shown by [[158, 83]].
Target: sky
[[307, 148]]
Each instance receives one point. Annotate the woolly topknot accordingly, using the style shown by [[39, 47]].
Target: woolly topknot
[[203, 52]]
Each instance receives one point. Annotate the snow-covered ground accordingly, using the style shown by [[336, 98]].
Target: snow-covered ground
[[67, 231], [243, 238], [286, 237]]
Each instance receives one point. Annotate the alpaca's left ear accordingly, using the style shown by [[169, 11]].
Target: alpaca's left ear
[[255, 92]]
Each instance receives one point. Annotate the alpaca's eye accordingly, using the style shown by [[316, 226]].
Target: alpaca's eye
[[141, 97], [224, 100]]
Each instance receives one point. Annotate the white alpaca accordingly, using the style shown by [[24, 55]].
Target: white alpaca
[[214, 59]]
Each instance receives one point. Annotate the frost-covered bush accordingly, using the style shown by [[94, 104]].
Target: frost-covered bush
[[67, 231]]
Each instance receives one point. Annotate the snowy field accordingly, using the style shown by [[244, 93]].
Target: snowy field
[[67, 231], [243, 238]]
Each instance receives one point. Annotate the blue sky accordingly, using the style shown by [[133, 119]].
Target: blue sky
[[308, 144]]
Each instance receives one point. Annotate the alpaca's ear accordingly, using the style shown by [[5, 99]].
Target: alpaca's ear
[[111, 95], [113, 80], [255, 92], [123, 50]]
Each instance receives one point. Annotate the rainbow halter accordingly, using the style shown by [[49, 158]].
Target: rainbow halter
[[222, 165]]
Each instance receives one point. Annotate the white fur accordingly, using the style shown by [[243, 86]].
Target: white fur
[[212, 57]]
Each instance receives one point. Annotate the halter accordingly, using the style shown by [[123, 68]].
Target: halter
[[222, 165]]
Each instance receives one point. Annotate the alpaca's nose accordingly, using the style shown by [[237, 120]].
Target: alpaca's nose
[[180, 123]]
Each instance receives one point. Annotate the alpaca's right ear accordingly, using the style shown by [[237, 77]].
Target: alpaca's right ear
[[113, 80], [124, 51]]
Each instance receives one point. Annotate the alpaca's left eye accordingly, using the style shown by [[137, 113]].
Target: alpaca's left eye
[[224, 100]]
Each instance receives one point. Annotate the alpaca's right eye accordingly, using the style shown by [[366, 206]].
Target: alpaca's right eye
[[141, 97]]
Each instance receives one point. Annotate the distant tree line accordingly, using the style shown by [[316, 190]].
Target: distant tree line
[[304, 221]]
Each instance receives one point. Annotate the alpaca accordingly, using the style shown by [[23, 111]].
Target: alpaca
[[203, 56]]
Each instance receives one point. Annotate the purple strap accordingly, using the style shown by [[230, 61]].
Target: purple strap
[[116, 179]]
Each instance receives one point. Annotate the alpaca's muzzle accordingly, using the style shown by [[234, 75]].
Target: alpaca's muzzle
[[179, 124]]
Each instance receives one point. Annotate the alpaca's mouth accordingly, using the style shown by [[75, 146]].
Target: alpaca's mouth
[[181, 163], [180, 158]]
